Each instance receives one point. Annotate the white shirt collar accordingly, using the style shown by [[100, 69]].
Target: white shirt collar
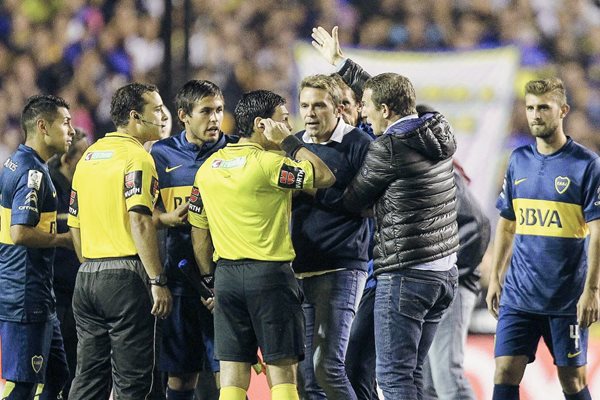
[[341, 129], [411, 116]]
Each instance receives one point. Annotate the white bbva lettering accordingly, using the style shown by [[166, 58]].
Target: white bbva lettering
[[536, 216]]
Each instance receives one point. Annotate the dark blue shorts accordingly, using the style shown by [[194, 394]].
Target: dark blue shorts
[[27, 349], [518, 334], [187, 337]]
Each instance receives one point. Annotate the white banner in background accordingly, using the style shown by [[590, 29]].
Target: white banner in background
[[473, 89]]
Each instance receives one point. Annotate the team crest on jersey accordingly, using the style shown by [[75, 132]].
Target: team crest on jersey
[[291, 177], [561, 184], [34, 179], [196, 201], [133, 184], [36, 363]]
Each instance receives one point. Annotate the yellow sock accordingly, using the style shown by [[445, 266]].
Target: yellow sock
[[232, 393], [284, 391]]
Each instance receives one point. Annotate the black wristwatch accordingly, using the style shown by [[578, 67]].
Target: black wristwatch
[[159, 280]]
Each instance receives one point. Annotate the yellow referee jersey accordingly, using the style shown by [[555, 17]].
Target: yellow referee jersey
[[114, 176], [243, 194]]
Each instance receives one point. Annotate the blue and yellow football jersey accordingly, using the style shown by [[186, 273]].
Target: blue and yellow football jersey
[[550, 198], [177, 161], [27, 197]]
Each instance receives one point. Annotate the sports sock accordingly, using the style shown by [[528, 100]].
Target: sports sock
[[506, 392], [284, 391], [584, 394], [173, 394], [232, 393]]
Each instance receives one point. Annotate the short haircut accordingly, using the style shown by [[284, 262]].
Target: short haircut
[[127, 98], [394, 90], [40, 106], [258, 103], [326, 83], [549, 85], [194, 91]]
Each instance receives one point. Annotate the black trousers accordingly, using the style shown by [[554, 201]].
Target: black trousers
[[115, 330]]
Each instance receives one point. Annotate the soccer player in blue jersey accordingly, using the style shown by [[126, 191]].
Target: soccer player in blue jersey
[[543, 284], [32, 347], [188, 331]]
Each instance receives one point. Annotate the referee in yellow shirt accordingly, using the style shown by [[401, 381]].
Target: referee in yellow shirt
[[115, 187], [242, 194]]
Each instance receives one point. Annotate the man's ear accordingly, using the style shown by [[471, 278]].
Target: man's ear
[[181, 114], [339, 110], [386, 111], [258, 125], [564, 110], [42, 125]]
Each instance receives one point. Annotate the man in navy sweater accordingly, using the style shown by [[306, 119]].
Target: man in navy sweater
[[331, 243]]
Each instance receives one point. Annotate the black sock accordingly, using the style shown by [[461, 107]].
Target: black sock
[[506, 392], [584, 394]]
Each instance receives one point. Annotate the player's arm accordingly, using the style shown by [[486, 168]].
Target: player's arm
[[203, 250], [278, 133], [502, 250], [146, 243], [76, 236], [30, 236], [588, 306], [177, 217]]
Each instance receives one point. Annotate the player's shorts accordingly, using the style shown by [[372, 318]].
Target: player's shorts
[[518, 334], [27, 348], [257, 304], [187, 337]]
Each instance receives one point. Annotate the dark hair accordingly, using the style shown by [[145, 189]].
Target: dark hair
[[40, 106], [548, 85], [258, 103], [394, 90], [194, 91], [344, 86], [127, 98]]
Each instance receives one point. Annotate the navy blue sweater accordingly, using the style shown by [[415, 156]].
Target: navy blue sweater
[[324, 234]]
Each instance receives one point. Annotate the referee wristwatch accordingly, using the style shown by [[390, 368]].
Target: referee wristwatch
[[158, 280]]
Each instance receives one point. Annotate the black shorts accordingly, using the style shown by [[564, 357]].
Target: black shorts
[[257, 304]]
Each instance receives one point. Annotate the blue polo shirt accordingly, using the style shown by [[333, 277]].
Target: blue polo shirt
[[27, 197], [177, 161]]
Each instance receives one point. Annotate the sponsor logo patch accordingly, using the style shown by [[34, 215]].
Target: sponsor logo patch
[[233, 163], [31, 202], [561, 184], [98, 155], [291, 177], [169, 169], [34, 179], [73, 205], [519, 181], [196, 201], [133, 184], [36, 363]]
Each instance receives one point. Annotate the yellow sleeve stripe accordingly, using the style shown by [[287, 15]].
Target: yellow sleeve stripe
[[47, 224], [549, 218]]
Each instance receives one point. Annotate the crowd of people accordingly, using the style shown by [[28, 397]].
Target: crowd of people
[[83, 50], [280, 241]]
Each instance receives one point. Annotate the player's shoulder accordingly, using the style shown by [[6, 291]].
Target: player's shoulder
[[581, 152]]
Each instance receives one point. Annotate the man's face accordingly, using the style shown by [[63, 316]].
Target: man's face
[[351, 108], [60, 132], [544, 114], [204, 122], [374, 116], [153, 116], [81, 146], [318, 113]]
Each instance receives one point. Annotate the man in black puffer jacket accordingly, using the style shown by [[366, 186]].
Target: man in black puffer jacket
[[407, 178]]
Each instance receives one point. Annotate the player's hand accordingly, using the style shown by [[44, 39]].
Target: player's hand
[[328, 45], [209, 303], [177, 217], [275, 131], [493, 297], [163, 302], [65, 240], [588, 308]]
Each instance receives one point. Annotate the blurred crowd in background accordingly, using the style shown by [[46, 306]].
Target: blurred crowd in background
[[83, 50]]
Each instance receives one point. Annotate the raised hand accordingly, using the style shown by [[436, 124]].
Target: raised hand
[[328, 45]]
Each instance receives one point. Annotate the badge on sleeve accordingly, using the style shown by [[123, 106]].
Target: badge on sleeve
[[196, 201], [291, 177], [34, 179], [73, 203], [133, 184]]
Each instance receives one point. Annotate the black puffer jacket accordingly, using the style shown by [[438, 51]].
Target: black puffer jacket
[[408, 177]]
